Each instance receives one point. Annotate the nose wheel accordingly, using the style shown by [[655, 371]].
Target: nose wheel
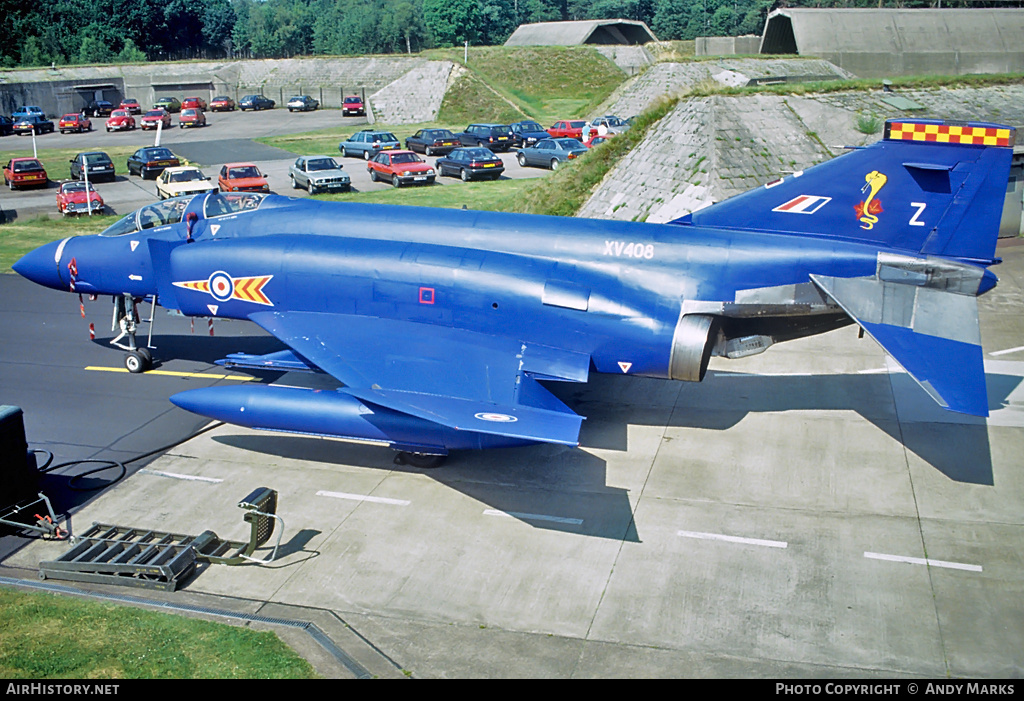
[[138, 360]]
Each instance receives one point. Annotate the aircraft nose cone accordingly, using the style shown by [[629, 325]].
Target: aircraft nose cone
[[42, 267]]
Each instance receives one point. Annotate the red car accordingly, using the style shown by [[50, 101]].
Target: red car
[[22, 172], [191, 117], [572, 129], [353, 104], [74, 122], [242, 177], [194, 102], [130, 105], [154, 117], [74, 198], [401, 168], [120, 120], [222, 103], [596, 140]]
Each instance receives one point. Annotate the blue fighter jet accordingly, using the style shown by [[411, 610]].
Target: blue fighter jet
[[441, 325]]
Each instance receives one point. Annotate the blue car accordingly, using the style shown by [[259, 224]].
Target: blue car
[[527, 133], [27, 111], [368, 143], [550, 153], [255, 102]]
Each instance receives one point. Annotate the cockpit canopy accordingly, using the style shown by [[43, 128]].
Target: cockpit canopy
[[171, 211]]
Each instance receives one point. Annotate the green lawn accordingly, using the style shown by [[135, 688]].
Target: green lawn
[[45, 636], [56, 160], [547, 83]]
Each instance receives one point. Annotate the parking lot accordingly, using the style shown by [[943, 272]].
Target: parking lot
[[228, 137]]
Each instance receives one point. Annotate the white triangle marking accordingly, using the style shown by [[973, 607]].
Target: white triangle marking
[[213, 308], [135, 244], [625, 366], [214, 228]]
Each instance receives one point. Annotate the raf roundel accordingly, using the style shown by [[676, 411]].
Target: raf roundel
[[222, 287], [497, 418]]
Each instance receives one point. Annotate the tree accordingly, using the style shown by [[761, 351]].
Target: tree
[[452, 21], [131, 53], [218, 21], [93, 51]]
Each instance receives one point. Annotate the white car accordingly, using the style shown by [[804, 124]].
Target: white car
[[319, 174], [303, 103], [182, 180]]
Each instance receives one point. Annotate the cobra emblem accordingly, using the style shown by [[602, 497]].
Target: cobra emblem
[[866, 210]]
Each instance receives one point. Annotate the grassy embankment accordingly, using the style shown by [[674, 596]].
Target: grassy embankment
[[45, 636]]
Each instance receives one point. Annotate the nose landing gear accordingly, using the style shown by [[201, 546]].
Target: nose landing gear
[[126, 318]]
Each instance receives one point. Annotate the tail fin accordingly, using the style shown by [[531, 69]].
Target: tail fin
[[928, 187]]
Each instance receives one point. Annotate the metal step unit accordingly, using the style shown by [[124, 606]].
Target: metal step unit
[[138, 557], [107, 554]]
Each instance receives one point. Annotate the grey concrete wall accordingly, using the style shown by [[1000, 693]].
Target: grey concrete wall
[[874, 43], [279, 79], [727, 46], [60, 96]]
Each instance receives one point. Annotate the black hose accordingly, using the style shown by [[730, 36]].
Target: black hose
[[108, 464]]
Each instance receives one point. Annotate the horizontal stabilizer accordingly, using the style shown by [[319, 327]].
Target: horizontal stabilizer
[[932, 333]]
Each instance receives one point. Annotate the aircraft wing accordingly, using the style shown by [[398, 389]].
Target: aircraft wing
[[462, 379]]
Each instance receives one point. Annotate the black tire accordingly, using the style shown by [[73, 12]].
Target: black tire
[[134, 362], [522, 159], [366, 155], [292, 178], [344, 152], [373, 176], [420, 460], [146, 356], [395, 182], [554, 164], [427, 151], [464, 175], [310, 188]]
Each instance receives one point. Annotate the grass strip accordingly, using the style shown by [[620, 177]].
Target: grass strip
[[45, 636]]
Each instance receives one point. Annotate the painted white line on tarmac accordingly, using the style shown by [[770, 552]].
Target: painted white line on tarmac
[[174, 475], [734, 539], [924, 561], [534, 517], [1007, 351], [363, 497]]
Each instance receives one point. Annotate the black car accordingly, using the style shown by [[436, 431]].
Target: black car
[[99, 164], [33, 123], [6, 125], [470, 163], [527, 133], [432, 141], [255, 102], [497, 137], [99, 108], [151, 161]]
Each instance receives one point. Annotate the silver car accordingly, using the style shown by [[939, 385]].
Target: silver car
[[319, 174]]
